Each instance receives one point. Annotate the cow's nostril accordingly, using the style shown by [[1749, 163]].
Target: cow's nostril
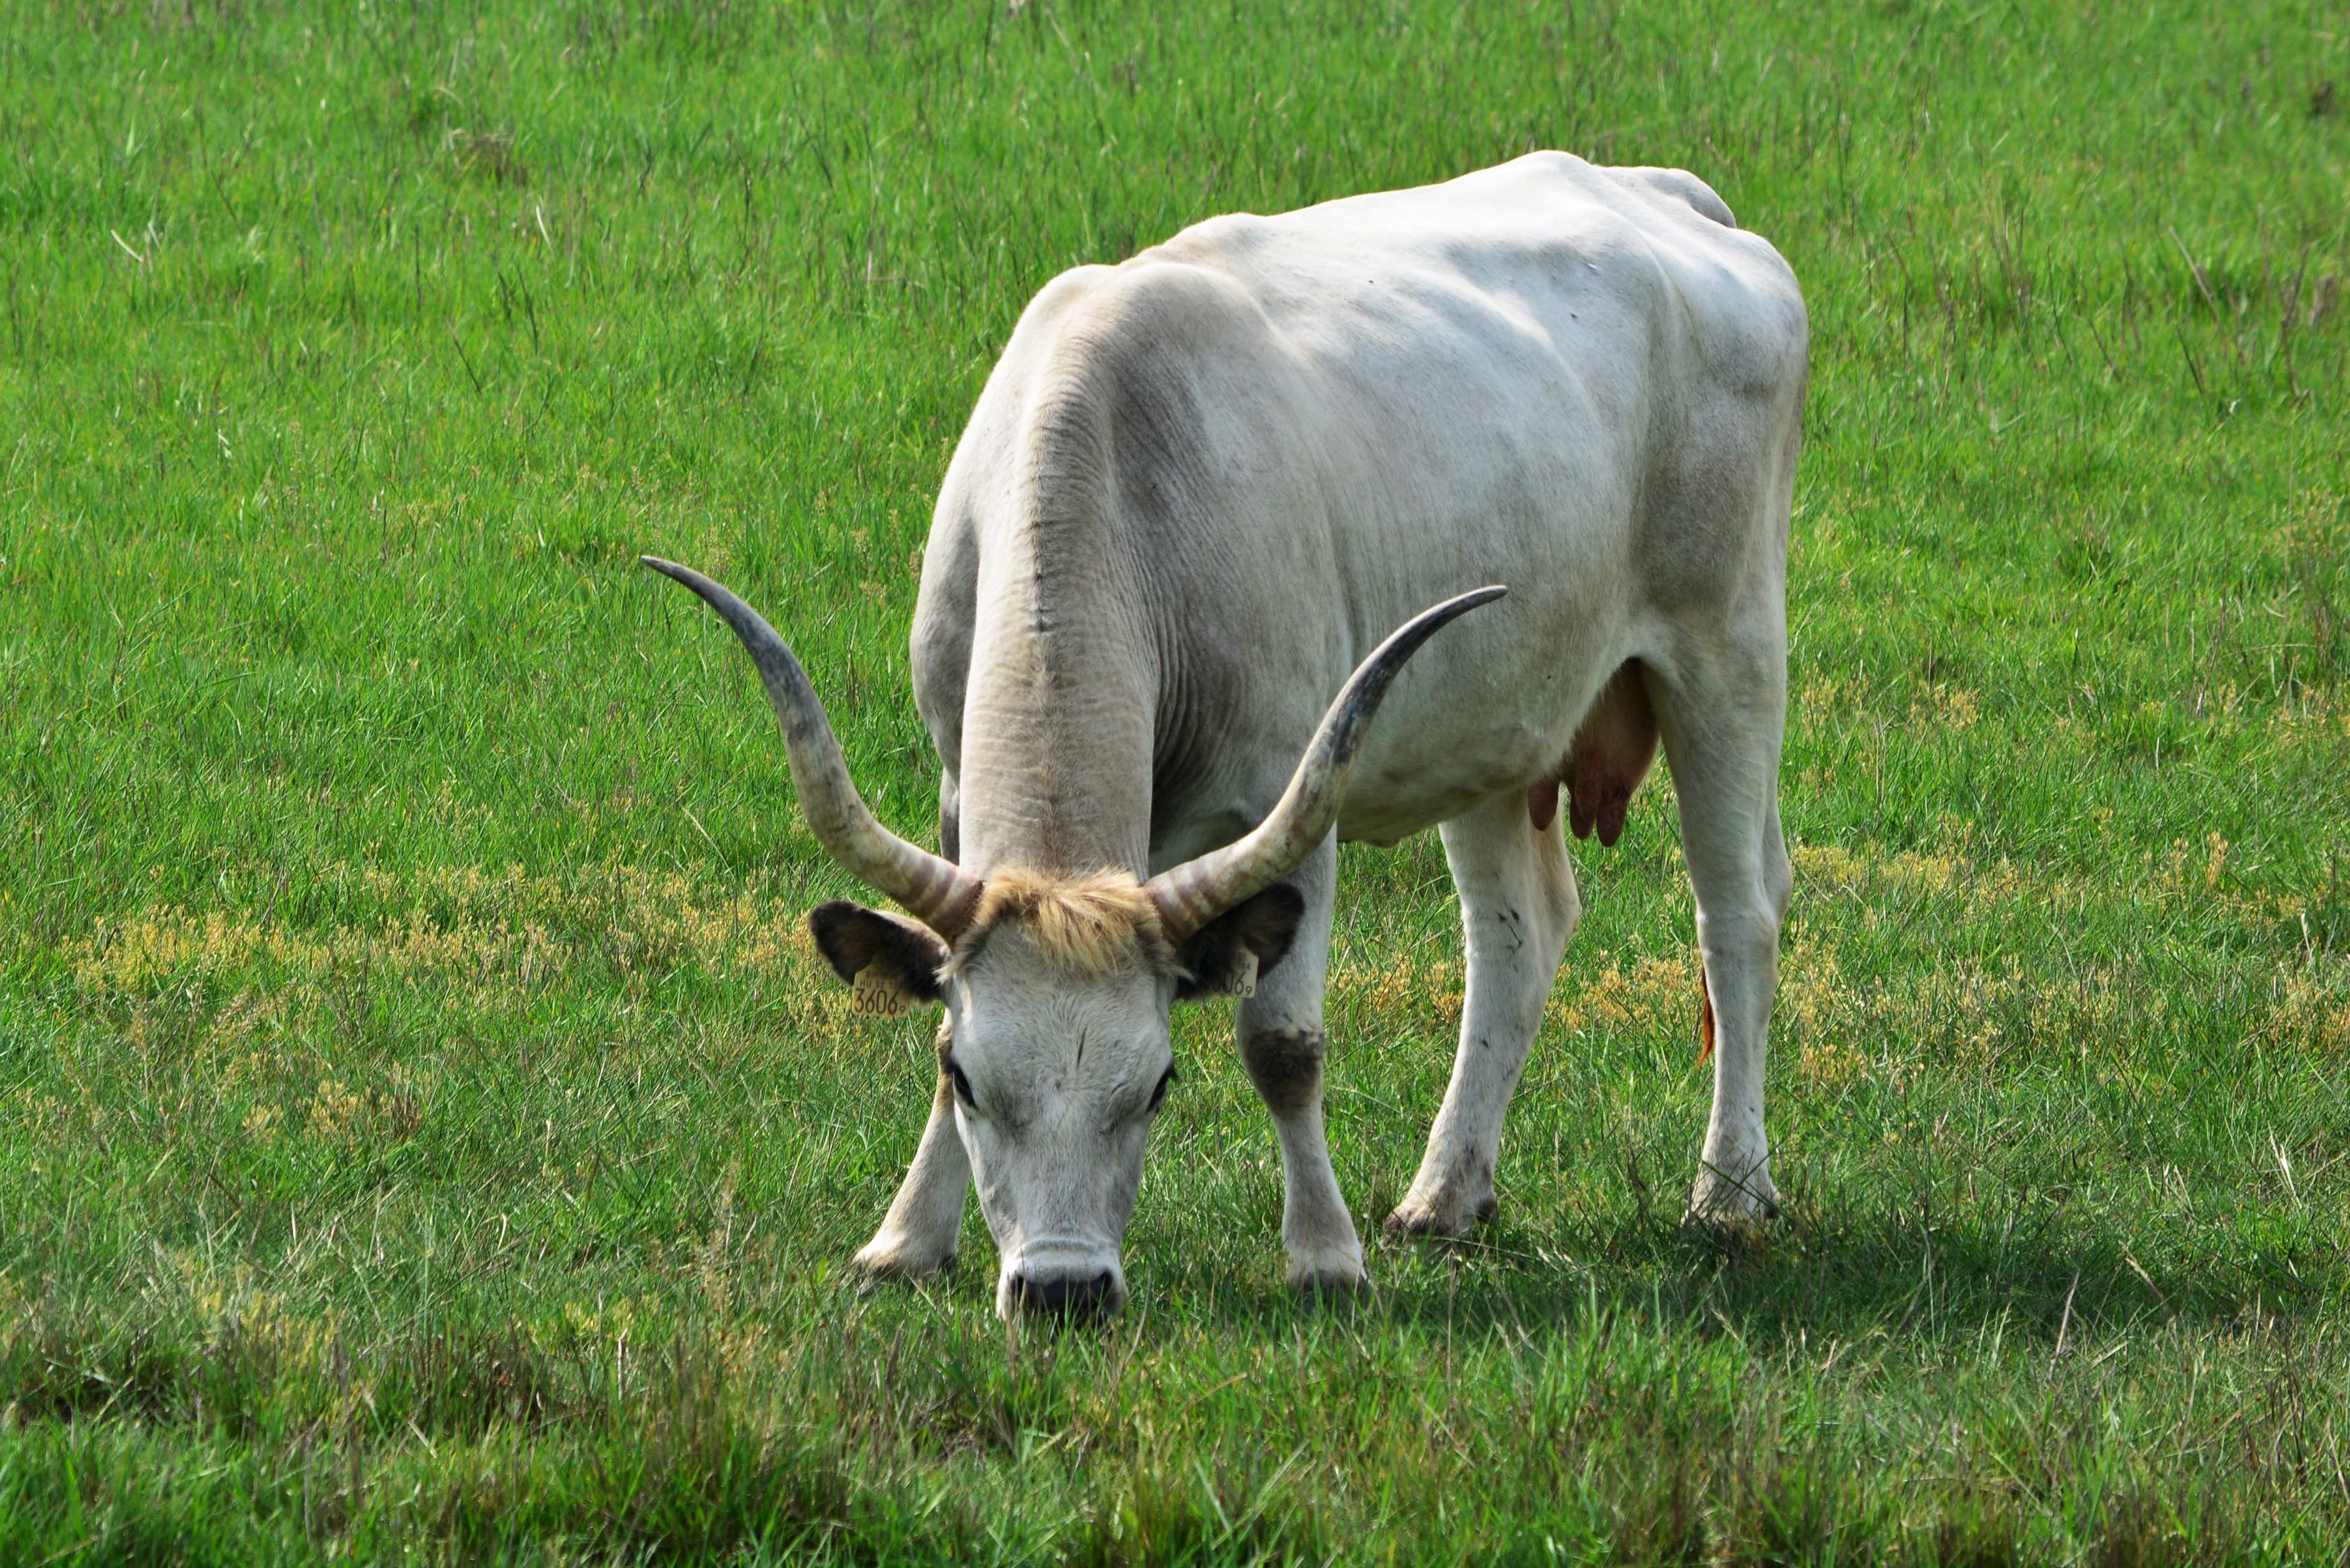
[[1064, 1295]]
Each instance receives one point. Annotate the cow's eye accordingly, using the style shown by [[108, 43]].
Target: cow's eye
[[962, 1083], [1166, 1081]]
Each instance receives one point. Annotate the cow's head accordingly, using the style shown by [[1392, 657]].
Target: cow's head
[[1057, 989], [1055, 1045]]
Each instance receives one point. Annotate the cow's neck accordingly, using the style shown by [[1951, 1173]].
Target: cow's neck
[[1060, 710]]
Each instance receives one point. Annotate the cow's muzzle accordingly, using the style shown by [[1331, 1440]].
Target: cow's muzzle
[[1061, 1278], [1066, 1295]]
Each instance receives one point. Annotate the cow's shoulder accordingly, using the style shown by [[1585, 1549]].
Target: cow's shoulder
[[1097, 318]]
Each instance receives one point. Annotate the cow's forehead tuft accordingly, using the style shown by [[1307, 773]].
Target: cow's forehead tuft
[[1091, 924]]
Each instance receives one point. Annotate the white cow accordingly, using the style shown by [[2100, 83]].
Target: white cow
[[1196, 487]]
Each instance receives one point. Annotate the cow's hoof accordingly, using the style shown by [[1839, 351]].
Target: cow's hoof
[[893, 1261], [1719, 1201], [1327, 1270], [1441, 1215]]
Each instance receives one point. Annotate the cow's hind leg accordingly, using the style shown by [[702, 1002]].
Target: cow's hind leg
[[918, 1236], [1721, 712], [1281, 1044], [1518, 908]]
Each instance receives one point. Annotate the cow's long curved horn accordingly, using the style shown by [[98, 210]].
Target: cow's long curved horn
[[1191, 895], [938, 892]]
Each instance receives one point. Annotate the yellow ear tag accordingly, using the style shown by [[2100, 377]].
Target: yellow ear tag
[[1244, 974], [871, 993]]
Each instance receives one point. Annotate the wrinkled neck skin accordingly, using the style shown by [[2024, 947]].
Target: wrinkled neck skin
[[1059, 712], [1064, 1071]]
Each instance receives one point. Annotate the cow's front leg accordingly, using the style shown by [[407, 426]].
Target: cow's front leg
[[918, 1237], [1518, 908], [1281, 1044]]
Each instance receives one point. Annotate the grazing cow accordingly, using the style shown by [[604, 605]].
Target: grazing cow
[[1197, 486]]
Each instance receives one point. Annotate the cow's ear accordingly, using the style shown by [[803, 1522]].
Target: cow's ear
[[1231, 953], [890, 963]]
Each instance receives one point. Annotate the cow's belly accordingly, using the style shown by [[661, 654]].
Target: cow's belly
[[1543, 498], [1490, 704], [1469, 733]]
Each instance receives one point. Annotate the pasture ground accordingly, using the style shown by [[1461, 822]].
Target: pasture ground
[[425, 1134]]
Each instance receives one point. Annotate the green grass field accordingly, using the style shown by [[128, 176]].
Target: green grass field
[[425, 1133]]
